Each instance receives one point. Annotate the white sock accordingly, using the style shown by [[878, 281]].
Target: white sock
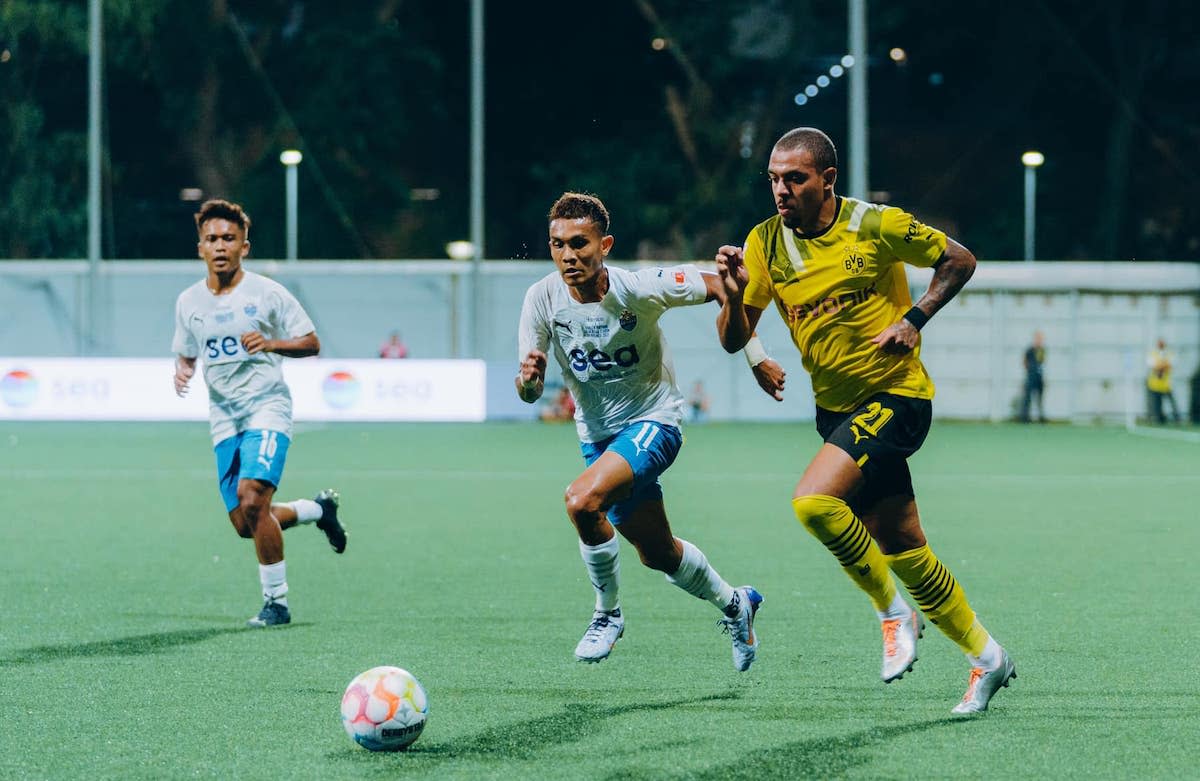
[[274, 581], [604, 569], [898, 609], [990, 658], [698, 578], [306, 510]]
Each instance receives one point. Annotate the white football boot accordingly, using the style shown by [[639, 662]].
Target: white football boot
[[900, 645], [739, 623], [985, 683], [601, 635]]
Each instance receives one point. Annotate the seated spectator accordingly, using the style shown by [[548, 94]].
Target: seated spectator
[[561, 407], [394, 347]]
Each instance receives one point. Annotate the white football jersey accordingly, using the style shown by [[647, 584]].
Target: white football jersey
[[244, 391], [614, 358]]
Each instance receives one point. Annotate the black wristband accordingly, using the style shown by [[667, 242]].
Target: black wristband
[[916, 317]]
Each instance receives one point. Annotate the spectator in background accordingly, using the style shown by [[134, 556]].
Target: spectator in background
[[1035, 357], [394, 347], [560, 408], [1194, 406], [698, 402], [1158, 383]]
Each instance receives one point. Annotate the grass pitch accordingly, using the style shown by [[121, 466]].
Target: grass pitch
[[123, 652]]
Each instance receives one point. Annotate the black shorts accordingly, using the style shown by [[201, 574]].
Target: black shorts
[[879, 435]]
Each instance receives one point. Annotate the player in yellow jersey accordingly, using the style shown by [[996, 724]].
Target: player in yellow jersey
[[1158, 383], [834, 267]]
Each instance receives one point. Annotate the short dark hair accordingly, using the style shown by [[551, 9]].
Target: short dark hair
[[574, 206], [813, 141], [217, 209]]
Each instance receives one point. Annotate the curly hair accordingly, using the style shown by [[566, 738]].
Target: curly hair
[[217, 209]]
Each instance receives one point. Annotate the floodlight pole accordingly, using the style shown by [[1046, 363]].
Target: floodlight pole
[[477, 179], [86, 341], [291, 160], [1032, 161], [857, 159]]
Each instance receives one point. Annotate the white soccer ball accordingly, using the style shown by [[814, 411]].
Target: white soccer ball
[[384, 709]]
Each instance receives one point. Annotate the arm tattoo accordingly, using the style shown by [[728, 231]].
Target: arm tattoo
[[949, 276]]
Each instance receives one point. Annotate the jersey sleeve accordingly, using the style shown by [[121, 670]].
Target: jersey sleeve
[[758, 289], [290, 317], [909, 239], [672, 286], [533, 332], [184, 341]]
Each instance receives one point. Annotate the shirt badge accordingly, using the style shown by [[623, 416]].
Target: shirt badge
[[628, 320], [853, 261]]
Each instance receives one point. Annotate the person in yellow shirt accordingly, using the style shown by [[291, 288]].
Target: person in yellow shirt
[[1158, 383], [834, 268]]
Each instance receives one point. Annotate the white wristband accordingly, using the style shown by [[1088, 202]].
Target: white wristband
[[755, 352]]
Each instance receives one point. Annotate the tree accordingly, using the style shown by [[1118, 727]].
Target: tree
[[42, 139]]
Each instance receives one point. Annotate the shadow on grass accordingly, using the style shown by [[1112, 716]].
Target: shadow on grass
[[828, 757], [137, 645], [527, 739], [823, 758]]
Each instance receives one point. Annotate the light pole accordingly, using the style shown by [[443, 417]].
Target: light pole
[[1031, 161], [290, 159], [857, 159]]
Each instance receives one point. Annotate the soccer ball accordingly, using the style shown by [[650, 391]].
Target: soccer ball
[[384, 709]]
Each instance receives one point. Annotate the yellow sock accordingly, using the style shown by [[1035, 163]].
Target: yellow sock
[[831, 521], [940, 597]]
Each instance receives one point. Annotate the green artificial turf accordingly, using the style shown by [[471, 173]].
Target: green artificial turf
[[125, 592]]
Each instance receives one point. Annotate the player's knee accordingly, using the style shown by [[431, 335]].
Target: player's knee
[[240, 526], [816, 512], [252, 509], [582, 505]]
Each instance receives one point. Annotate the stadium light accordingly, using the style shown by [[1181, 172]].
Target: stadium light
[[290, 159], [460, 250], [1032, 161]]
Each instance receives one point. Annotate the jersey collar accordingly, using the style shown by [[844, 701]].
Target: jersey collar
[[837, 213]]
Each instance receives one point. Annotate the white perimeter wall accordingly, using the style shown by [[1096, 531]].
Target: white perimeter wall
[[1099, 320]]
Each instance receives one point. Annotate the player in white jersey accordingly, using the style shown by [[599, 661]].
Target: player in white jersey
[[242, 325], [602, 325]]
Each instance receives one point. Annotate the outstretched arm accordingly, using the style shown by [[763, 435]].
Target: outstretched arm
[[949, 276], [300, 347]]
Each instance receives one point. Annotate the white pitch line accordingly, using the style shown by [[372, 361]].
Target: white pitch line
[[1174, 435]]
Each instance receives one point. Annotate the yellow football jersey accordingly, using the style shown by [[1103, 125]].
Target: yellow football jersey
[[1159, 378], [839, 290]]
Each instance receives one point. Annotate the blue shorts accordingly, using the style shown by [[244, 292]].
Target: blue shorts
[[249, 455], [649, 448]]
